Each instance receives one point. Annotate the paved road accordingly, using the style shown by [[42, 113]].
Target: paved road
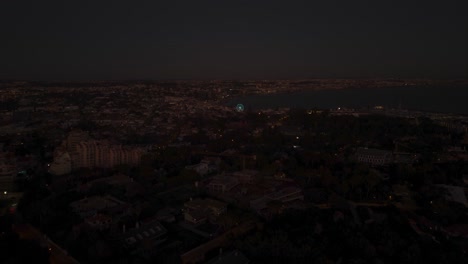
[[57, 254]]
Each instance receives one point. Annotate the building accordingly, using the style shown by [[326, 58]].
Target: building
[[201, 168], [99, 221], [91, 206], [405, 158], [199, 211], [285, 196], [222, 183], [74, 138], [374, 157], [62, 163], [206, 166], [101, 154], [245, 176], [144, 239], [79, 151]]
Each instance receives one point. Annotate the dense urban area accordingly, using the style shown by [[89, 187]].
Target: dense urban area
[[171, 172]]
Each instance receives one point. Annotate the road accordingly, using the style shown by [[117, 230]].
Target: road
[[57, 254]]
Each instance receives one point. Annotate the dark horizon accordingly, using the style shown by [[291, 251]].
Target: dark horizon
[[233, 40], [229, 80]]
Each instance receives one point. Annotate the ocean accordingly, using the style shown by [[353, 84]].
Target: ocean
[[431, 99]]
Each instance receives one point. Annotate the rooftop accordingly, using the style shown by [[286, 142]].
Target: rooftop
[[232, 257], [200, 203]]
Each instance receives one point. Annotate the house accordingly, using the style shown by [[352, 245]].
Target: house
[[222, 183], [285, 195], [144, 239], [90, 206], [199, 211], [196, 217], [201, 168], [207, 165], [245, 176], [216, 161]]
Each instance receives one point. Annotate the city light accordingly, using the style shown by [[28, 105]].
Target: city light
[[239, 107]]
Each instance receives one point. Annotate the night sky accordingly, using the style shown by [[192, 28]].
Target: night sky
[[233, 39]]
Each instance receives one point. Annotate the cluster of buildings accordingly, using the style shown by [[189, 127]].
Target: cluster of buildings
[[249, 190], [130, 118], [104, 213], [378, 157], [78, 151]]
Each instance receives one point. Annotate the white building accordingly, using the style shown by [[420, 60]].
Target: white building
[[92, 154], [374, 156]]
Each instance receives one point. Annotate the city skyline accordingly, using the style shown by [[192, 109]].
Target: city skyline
[[174, 172]]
